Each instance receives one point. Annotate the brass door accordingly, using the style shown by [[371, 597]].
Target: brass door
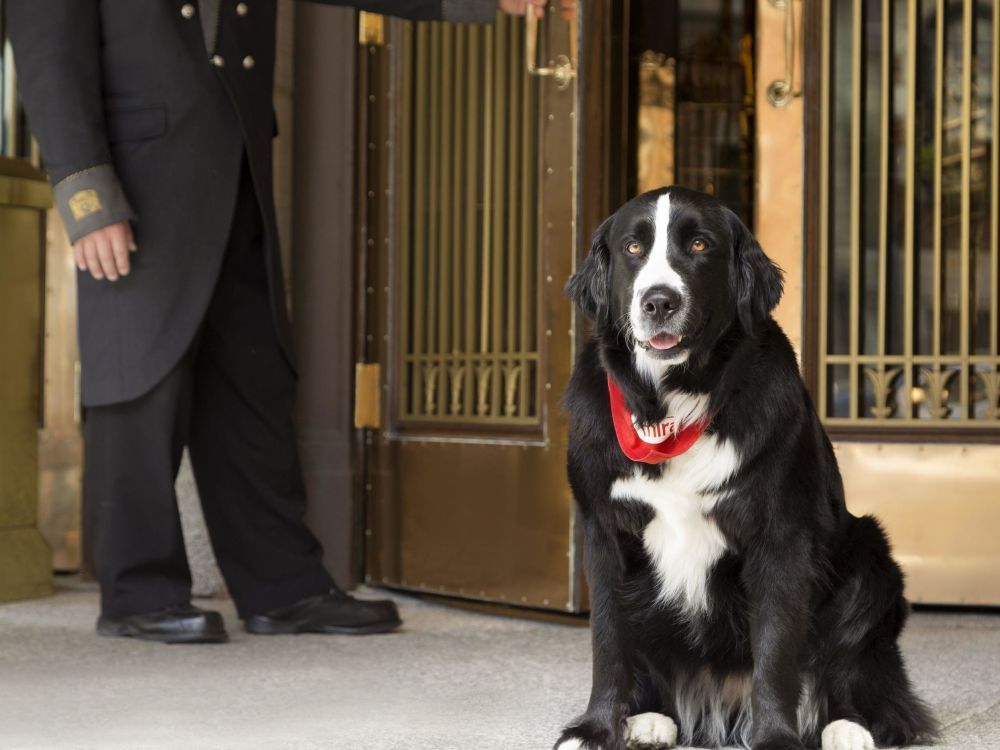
[[467, 236], [907, 275]]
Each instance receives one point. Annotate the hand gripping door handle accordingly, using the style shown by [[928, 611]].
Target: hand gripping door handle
[[563, 68]]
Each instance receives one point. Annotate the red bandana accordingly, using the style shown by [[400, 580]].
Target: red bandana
[[654, 443]]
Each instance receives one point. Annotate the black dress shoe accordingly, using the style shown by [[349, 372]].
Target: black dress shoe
[[334, 612], [183, 623]]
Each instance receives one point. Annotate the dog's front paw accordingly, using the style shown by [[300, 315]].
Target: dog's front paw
[[588, 735], [650, 731], [846, 735]]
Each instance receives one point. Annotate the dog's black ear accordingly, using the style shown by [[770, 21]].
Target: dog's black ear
[[757, 281], [589, 286]]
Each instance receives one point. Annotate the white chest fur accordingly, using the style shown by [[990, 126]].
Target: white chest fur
[[683, 541]]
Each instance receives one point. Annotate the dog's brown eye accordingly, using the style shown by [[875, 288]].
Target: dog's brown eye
[[698, 246], [633, 248]]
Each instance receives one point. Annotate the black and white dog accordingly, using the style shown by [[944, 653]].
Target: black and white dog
[[734, 599]]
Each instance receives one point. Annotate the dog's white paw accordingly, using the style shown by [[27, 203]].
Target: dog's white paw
[[650, 730], [846, 735], [572, 743]]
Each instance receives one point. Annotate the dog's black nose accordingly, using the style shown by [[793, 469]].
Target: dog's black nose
[[660, 302]]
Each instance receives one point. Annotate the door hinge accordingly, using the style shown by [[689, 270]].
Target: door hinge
[[368, 395], [371, 29]]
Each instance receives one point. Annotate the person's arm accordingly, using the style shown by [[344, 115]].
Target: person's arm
[[453, 11], [57, 50]]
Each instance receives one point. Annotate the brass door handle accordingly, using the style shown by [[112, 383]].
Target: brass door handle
[[563, 67], [781, 92]]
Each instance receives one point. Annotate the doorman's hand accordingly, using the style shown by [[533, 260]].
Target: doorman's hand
[[520, 7], [567, 9], [105, 251]]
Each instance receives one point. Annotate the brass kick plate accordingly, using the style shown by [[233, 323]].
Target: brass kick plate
[[367, 395]]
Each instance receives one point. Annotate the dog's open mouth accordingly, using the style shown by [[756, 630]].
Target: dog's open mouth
[[663, 344], [665, 341]]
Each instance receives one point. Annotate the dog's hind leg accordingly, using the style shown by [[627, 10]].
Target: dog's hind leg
[[859, 666], [883, 695]]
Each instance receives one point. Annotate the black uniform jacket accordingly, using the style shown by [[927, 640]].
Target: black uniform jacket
[[143, 110]]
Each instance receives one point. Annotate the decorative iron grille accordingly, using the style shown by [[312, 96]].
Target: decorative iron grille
[[468, 251], [909, 169]]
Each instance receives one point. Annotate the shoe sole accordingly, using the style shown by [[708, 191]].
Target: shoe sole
[[294, 628], [126, 631]]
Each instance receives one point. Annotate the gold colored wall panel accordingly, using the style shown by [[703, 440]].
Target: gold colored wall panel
[[940, 505], [779, 199]]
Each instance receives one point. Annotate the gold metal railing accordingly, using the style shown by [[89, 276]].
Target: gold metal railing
[[908, 272], [469, 340]]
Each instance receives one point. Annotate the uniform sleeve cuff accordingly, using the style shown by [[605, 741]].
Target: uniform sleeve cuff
[[91, 200], [469, 11]]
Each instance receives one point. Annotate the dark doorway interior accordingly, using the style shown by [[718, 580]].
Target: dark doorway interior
[[691, 71]]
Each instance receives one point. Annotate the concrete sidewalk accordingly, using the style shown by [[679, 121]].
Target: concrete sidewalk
[[451, 680]]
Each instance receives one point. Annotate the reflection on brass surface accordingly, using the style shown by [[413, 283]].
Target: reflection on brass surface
[[657, 110], [367, 395], [371, 28], [25, 562], [940, 505], [492, 526], [60, 454], [60, 444], [465, 487]]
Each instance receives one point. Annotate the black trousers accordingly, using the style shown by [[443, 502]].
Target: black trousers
[[230, 400]]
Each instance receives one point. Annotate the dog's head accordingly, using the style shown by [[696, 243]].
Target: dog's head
[[671, 271]]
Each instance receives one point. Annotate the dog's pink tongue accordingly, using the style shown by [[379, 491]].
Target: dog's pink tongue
[[664, 341]]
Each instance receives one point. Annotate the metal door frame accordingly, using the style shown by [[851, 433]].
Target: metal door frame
[[377, 242]]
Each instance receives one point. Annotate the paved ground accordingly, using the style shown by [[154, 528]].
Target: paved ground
[[452, 680]]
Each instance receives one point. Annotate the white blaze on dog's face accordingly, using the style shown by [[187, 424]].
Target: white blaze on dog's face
[[658, 298], [669, 272]]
